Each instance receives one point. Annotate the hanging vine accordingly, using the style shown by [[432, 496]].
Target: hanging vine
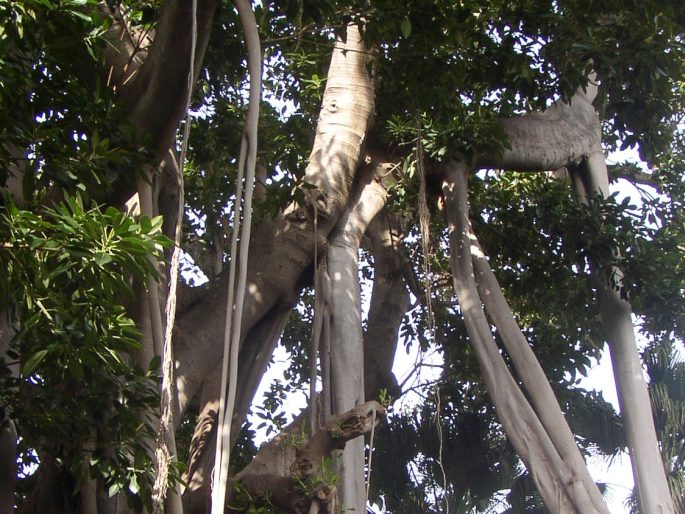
[[236, 295]]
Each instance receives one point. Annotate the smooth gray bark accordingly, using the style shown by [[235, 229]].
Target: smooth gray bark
[[285, 245], [553, 477], [536, 383], [633, 397], [346, 346], [569, 135]]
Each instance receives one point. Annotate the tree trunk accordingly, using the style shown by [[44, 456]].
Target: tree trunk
[[537, 386], [555, 479], [286, 245], [346, 346], [389, 303], [569, 135], [633, 397]]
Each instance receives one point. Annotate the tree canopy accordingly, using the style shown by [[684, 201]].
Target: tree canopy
[[442, 163]]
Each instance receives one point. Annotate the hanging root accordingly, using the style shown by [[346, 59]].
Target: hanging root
[[236, 295]]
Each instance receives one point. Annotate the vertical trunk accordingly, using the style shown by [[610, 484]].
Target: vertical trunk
[[389, 303], [8, 434], [346, 111], [346, 346], [554, 478], [537, 386], [638, 423], [8, 466], [285, 245]]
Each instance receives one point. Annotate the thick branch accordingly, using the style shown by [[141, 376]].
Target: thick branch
[[155, 98], [563, 135], [285, 245], [294, 493]]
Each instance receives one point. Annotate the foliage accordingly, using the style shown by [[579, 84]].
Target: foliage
[[666, 370], [446, 72], [77, 397]]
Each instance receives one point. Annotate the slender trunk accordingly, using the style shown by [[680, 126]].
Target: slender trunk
[[346, 347], [537, 386], [633, 397], [389, 303], [553, 477]]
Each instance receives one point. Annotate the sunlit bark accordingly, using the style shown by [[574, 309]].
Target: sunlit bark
[[346, 347]]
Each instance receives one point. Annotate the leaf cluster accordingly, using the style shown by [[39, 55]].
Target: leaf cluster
[[76, 396]]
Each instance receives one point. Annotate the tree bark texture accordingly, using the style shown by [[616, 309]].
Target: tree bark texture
[[299, 479], [285, 245], [569, 135], [346, 358]]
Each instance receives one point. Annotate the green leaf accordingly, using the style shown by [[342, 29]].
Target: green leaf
[[133, 485], [33, 362], [101, 259], [406, 27]]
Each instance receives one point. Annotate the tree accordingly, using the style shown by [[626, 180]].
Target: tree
[[381, 133]]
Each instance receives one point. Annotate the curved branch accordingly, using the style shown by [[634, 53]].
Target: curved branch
[[551, 474], [563, 135], [156, 97], [294, 492]]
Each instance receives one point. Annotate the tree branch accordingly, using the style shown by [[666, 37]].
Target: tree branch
[[306, 481]]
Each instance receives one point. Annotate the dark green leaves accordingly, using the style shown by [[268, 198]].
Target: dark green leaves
[[68, 271]]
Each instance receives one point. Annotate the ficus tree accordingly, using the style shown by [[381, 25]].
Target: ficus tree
[[457, 147]]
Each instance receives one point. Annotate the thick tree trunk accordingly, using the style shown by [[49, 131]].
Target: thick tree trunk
[[286, 245], [346, 346]]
